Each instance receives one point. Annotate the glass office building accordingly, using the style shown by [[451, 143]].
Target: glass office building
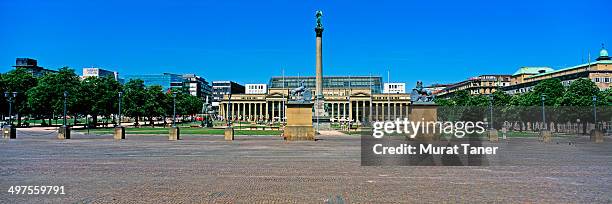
[[166, 80], [372, 82]]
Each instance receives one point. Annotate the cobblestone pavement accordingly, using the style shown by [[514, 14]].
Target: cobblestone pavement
[[202, 169]]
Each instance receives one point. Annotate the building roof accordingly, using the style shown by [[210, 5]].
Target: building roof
[[574, 67], [532, 70]]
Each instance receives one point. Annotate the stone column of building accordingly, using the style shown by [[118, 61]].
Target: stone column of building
[[350, 110], [401, 110], [244, 111], [260, 111], [394, 110], [338, 108], [273, 107], [381, 110], [375, 110], [332, 110], [356, 113], [267, 112], [344, 110], [363, 106]]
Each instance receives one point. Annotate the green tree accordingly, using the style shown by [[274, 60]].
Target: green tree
[[134, 99], [580, 93], [47, 97], [461, 98], [501, 98], [99, 97], [552, 88], [155, 103], [20, 81]]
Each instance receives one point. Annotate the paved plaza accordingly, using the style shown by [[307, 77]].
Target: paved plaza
[[202, 169]]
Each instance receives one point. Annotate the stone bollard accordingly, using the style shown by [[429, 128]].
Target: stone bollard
[[174, 133], [119, 133], [597, 136], [9, 132], [63, 133], [545, 136], [493, 135], [229, 133]]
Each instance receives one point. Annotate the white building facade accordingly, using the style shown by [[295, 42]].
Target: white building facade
[[396, 88], [256, 88]]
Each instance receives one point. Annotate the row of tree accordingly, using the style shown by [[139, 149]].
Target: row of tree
[[43, 98], [562, 104], [579, 93]]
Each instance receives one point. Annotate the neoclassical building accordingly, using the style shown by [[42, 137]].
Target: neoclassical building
[[347, 98]]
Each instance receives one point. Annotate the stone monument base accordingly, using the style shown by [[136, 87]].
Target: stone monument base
[[63, 133], [229, 133], [9, 132], [597, 136], [493, 137], [174, 133], [545, 136], [426, 112], [299, 121], [119, 133], [299, 133]]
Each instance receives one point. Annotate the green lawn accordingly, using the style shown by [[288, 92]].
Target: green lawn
[[192, 131]]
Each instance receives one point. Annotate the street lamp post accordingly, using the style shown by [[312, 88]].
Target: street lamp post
[[595, 111], [9, 130], [10, 98], [230, 116], [119, 114], [174, 131], [173, 109], [64, 131], [119, 133], [544, 112], [65, 96], [491, 111]]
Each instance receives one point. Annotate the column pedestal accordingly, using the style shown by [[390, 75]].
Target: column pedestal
[[424, 112], [545, 136], [174, 133], [229, 133], [493, 136], [9, 132], [597, 136], [119, 133], [63, 133]]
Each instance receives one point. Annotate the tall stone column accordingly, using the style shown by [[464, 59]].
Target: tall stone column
[[319, 62], [319, 102]]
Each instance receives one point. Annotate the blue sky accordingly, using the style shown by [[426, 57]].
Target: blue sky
[[249, 41]]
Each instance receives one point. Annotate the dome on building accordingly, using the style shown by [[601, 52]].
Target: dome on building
[[603, 54]]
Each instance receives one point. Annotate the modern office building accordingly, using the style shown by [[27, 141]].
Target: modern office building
[[256, 88], [394, 88], [98, 72], [222, 88], [167, 81], [197, 86], [31, 65]]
